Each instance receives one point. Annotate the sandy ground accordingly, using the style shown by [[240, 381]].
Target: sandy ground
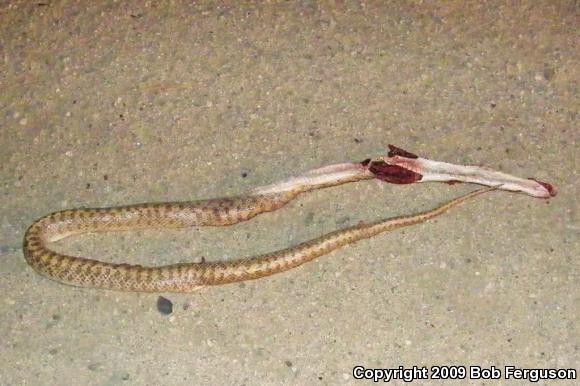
[[109, 102]]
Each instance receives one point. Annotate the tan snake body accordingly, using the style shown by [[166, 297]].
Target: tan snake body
[[400, 167], [186, 277]]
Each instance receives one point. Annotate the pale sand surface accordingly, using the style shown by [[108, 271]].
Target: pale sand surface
[[107, 103]]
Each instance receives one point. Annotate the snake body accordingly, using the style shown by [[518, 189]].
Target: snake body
[[186, 277]]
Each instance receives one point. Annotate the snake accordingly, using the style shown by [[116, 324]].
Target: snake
[[191, 276]]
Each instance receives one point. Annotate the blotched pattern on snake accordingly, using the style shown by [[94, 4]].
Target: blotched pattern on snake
[[186, 277]]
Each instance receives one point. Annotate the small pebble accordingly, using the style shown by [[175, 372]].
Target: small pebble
[[164, 306]]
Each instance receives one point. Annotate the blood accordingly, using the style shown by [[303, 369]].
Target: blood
[[393, 173], [549, 187], [396, 151]]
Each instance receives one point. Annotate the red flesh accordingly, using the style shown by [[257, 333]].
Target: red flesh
[[393, 173], [396, 151], [549, 187]]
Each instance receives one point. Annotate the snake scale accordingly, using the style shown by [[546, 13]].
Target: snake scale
[[187, 277]]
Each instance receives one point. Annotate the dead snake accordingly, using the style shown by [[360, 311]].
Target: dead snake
[[186, 277]]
